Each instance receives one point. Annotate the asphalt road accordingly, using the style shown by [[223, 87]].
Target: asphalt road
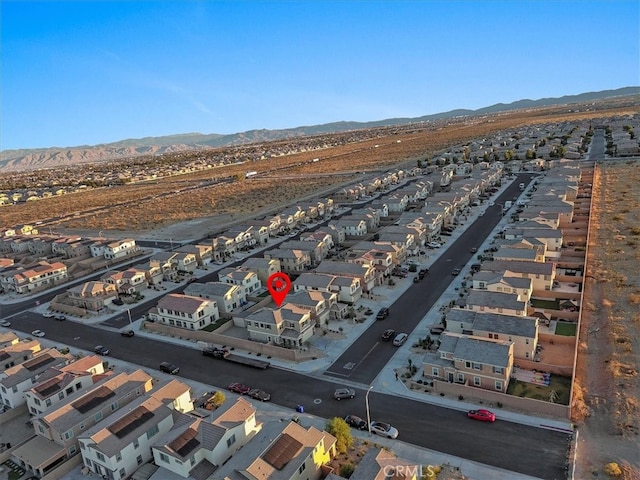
[[368, 355], [532, 451]]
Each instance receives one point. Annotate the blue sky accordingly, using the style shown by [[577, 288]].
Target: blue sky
[[84, 73]]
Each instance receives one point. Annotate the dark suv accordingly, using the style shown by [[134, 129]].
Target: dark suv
[[167, 367], [383, 313]]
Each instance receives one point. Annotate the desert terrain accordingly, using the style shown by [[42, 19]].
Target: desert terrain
[[607, 408]]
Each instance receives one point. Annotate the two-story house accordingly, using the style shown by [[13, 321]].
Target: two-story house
[[57, 384], [18, 351], [227, 296], [120, 249], [93, 296], [262, 267], [472, 361], [286, 451], [128, 281], [289, 326], [347, 289], [185, 311], [522, 331], [243, 277], [16, 380], [197, 448], [363, 272], [291, 261]]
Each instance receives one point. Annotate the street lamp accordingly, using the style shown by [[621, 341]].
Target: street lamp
[[129, 313], [366, 401]]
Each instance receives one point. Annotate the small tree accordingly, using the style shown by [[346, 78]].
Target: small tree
[[218, 398], [347, 469], [337, 427]]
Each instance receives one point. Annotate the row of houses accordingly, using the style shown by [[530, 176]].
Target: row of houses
[[494, 325], [123, 422]]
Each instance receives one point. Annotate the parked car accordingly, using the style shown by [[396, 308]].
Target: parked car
[[474, 250], [355, 422], [399, 339], [239, 388], [259, 395], [416, 279], [423, 272], [60, 318], [117, 301], [455, 271], [482, 415], [167, 367], [387, 335], [5, 323], [48, 314], [384, 429], [37, 333], [341, 393], [127, 333], [434, 244], [382, 313], [101, 350]]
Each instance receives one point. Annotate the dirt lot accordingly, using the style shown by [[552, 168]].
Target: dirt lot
[[148, 206], [607, 412]]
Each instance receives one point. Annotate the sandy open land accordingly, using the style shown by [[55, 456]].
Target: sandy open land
[[609, 351]]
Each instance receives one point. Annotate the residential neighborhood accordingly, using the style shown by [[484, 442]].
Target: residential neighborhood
[[508, 319]]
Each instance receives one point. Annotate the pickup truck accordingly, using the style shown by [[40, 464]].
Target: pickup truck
[[224, 354]]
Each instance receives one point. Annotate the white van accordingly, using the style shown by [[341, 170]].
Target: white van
[[522, 186]]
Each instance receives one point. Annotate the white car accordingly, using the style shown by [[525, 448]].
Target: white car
[[37, 333], [5, 323], [48, 314], [435, 244], [491, 204], [384, 429]]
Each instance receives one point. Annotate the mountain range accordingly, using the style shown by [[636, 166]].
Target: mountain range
[[30, 159]]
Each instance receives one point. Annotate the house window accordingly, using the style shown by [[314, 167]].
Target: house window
[[100, 456], [122, 473], [476, 381], [164, 457], [139, 459], [461, 378], [152, 431], [526, 341], [136, 444], [477, 366], [192, 461], [468, 364], [60, 396], [118, 457], [498, 385], [435, 371], [302, 467], [114, 406], [68, 434], [97, 417], [498, 370], [231, 440], [72, 450], [82, 447]]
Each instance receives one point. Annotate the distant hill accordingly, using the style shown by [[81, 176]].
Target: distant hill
[[30, 159]]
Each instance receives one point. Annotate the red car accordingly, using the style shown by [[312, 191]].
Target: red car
[[239, 388], [482, 415]]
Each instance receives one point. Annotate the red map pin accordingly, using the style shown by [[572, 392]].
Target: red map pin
[[279, 285]]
